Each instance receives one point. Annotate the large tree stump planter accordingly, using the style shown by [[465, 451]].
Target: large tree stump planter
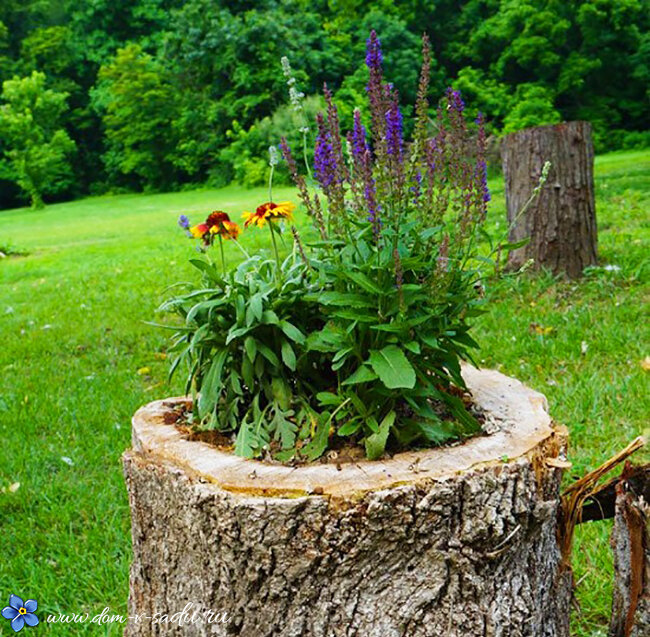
[[455, 541]]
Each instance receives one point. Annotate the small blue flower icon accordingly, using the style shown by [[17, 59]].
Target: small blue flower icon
[[20, 613]]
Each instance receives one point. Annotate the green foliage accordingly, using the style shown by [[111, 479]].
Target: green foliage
[[247, 149], [36, 148], [137, 105], [213, 69], [532, 106], [245, 356], [357, 336]]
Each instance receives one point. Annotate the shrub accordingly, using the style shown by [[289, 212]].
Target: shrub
[[355, 337]]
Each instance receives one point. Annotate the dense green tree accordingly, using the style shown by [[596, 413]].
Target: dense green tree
[[36, 149], [165, 92], [138, 105]]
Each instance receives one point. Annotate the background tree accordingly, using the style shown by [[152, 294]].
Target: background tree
[[521, 62], [137, 104], [36, 148]]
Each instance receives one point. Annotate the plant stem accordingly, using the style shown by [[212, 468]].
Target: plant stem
[[223, 257], [304, 152], [275, 249], [241, 247]]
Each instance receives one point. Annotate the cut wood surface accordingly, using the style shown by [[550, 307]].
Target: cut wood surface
[[460, 541], [521, 414]]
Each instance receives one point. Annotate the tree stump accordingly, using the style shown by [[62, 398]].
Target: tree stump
[[631, 546], [561, 221], [454, 541]]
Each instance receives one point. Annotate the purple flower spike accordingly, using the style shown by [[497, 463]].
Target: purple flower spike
[[324, 160], [359, 144], [481, 165], [455, 101], [374, 57], [394, 131], [184, 222]]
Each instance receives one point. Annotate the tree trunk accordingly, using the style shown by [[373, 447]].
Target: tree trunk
[[631, 545], [456, 541], [561, 221]]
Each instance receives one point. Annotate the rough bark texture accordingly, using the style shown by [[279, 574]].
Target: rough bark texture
[[471, 553], [631, 546], [561, 222]]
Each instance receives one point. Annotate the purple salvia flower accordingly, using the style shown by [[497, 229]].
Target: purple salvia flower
[[335, 136], [184, 222], [416, 188], [377, 93], [374, 57], [482, 174], [394, 138], [481, 165], [455, 101], [359, 144], [324, 160]]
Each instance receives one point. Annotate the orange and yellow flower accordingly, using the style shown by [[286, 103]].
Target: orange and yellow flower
[[199, 230], [218, 223], [269, 211], [226, 229]]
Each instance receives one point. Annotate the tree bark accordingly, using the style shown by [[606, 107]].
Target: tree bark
[[561, 221], [460, 541], [631, 546]]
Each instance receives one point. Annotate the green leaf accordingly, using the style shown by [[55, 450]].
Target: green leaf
[[413, 346], [288, 356], [292, 332], [254, 309], [329, 339], [269, 317], [362, 375], [281, 392], [269, 354], [250, 345], [392, 367], [284, 429], [515, 244], [318, 443], [376, 443], [364, 282], [349, 428], [328, 398], [247, 372], [211, 384], [345, 299], [236, 333], [247, 443]]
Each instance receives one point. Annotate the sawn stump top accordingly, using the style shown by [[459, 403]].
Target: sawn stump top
[[520, 413]]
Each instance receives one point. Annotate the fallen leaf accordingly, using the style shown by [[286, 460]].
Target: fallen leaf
[[645, 364], [161, 356], [144, 370], [536, 328], [584, 347], [14, 487], [67, 460]]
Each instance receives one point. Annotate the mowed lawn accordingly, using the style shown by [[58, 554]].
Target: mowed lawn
[[77, 358]]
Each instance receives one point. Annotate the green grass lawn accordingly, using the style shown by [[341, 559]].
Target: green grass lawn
[[77, 359]]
